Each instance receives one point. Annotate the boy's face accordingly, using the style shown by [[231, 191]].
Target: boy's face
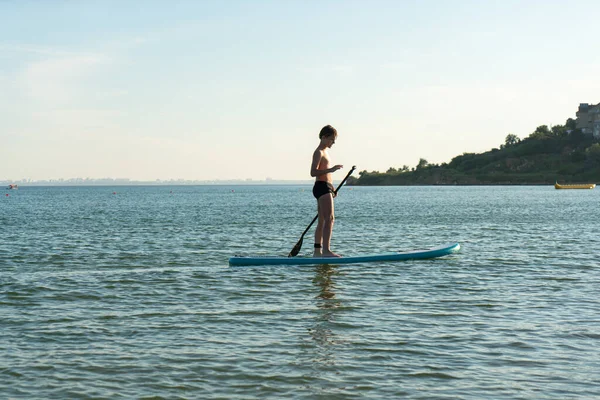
[[330, 140]]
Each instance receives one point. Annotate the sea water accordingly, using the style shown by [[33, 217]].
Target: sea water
[[126, 292]]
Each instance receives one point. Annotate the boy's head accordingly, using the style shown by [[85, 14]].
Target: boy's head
[[328, 131]]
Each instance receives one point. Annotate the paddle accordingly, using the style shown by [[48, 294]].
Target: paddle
[[298, 245]]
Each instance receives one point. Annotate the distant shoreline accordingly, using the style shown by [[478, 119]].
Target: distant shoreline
[[151, 183], [291, 183]]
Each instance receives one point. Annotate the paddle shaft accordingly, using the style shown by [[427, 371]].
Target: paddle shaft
[[299, 244]]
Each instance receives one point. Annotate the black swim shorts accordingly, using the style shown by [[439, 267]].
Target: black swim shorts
[[321, 188]]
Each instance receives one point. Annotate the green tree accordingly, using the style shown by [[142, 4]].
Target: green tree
[[422, 163], [541, 132], [511, 139], [592, 153], [559, 130]]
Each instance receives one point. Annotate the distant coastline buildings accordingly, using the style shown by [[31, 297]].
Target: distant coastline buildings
[[8, 183], [588, 119]]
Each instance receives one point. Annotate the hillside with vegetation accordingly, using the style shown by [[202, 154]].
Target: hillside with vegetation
[[561, 153]]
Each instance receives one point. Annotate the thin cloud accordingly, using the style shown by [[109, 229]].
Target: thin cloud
[[56, 79], [36, 50], [330, 69]]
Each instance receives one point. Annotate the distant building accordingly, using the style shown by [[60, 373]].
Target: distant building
[[588, 119]]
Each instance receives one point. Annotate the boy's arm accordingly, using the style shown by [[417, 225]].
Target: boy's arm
[[314, 171]]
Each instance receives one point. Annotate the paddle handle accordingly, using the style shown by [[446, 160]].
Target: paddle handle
[[346, 178]]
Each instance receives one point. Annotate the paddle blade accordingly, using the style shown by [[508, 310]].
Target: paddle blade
[[296, 248]]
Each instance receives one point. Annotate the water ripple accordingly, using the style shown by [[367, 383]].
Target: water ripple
[[130, 295]]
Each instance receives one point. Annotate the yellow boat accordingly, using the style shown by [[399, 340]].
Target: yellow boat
[[580, 186]]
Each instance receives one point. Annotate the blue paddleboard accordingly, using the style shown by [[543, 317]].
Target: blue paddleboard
[[434, 252]]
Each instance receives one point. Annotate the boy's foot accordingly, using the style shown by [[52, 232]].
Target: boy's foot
[[330, 254], [317, 253]]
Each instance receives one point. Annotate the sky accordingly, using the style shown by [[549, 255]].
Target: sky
[[206, 90]]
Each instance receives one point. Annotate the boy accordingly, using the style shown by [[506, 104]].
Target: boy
[[324, 192]]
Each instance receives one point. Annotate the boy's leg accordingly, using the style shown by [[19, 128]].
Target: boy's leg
[[326, 211], [319, 233]]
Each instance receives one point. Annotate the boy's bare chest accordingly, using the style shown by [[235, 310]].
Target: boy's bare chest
[[324, 160]]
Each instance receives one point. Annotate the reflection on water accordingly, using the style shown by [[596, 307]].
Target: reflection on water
[[325, 315]]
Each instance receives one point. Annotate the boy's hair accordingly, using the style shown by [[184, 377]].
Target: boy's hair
[[327, 130]]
